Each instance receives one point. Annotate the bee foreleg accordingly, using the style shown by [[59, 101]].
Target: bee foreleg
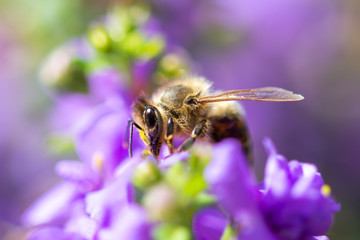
[[129, 135], [169, 135], [198, 129]]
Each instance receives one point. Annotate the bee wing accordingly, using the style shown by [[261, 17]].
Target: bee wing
[[268, 94]]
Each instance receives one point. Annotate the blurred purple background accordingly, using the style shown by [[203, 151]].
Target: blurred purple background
[[310, 47]]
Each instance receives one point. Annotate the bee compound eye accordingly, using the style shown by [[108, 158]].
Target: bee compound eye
[[150, 117]]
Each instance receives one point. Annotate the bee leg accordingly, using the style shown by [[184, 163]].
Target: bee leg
[[129, 135], [198, 129], [169, 135]]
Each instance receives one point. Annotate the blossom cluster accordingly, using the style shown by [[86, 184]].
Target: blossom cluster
[[209, 192], [187, 195]]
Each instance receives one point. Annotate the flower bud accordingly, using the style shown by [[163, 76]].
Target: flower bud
[[139, 13], [99, 38], [174, 65], [146, 174], [162, 203], [152, 47], [167, 231], [63, 71]]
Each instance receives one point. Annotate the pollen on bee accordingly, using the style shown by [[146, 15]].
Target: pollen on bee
[[326, 190], [97, 161], [143, 137]]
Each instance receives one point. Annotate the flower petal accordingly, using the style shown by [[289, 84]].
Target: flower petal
[[116, 194], [209, 224], [52, 206], [230, 178], [82, 225], [172, 159], [105, 83], [54, 233], [277, 178], [130, 223], [77, 173]]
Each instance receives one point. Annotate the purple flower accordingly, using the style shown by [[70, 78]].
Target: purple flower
[[295, 201], [99, 144], [99, 139], [230, 179], [93, 203], [75, 210], [103, 203], [71, 108], [131, 222], [294, 204], [209, 224]]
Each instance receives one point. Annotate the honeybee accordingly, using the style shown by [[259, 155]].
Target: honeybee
[[189, 108]]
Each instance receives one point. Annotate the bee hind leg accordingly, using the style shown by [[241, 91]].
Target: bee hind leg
[[197, 131]]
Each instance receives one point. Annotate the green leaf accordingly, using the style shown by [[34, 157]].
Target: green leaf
[[228, 233], [177, 175], [194, 185], [204, 199], [198, 159], [152, 48], [59, 144]]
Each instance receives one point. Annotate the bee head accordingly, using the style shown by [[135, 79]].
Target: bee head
[[150, 120], [153, 127]]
